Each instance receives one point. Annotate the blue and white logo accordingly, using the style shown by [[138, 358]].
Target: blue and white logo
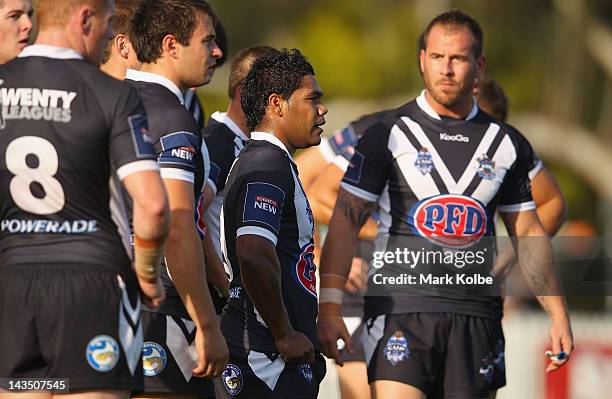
[[232, 379], [102, 353], [487, 367], [154, 358], [424, 161], [396, 349], [486, 170], [305, 370]]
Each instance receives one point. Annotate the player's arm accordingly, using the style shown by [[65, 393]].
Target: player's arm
[[133, 156], [215, 272], [350, 214], [185, 262], [261, 276], [151, 219], [309, 163], [322, 195], [550, 203], [535, 257]]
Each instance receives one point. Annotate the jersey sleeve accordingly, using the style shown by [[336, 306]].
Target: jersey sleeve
[[368, 168], [131, 147], [516, 189], [177, 155], [261, 200], [222, 154]]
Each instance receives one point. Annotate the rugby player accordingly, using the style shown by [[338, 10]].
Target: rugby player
[[267, 237], [15, 27], [69, 304], [175, 41], [225, 136], [119, 55], [416, 163], [192, 101]]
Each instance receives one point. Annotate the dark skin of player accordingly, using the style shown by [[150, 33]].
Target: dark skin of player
[[296, 122]]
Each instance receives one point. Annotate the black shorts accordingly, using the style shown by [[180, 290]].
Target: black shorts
[[258, 375], [169, 356], [445, 355], [356, 333], [71, 322]]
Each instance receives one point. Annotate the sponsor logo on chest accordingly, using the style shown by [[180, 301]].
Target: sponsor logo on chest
[[456, 137], [450, 220]]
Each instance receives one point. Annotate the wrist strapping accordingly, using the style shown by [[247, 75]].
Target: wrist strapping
[[331, 295], [147, 258]]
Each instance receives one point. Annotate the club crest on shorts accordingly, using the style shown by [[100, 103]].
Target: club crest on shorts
[[154, 358], [500, 355], [424, 161], [232, 379], [486, 367], [486, 170], [397, 348], [102, 353], [305, 370]]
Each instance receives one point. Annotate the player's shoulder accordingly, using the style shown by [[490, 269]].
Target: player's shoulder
[[165, 112], [218, 133], [260, 155], [378, 125]]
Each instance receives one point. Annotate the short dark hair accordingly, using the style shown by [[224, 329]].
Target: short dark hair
[[157, 18], [492, 98], [121, 21], [280, 72], [241, 65], [457, 17]]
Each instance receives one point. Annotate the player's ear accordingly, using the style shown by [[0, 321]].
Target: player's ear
[[421, 60], [276, 104], [121, 43], [85, 14], [170, 45]]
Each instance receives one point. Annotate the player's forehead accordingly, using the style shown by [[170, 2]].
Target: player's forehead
[[204, 26], [443, 38], [15, 5], [309, 86]]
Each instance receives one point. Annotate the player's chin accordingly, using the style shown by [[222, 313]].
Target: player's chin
[[316, 135]]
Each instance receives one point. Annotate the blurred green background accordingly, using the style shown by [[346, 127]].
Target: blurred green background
[[553, 58]]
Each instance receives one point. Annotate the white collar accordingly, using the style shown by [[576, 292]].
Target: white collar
[[45, 50], [424, 105], [270, 138], [141, 76], [222, 117]]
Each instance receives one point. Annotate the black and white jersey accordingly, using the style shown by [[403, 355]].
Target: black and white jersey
[[180, 150], [193, 104], [224, 140], [68, 134], [264, 197], [439, 181], [340, 147]]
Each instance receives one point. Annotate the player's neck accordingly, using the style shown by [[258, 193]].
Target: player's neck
[[461, 110], [234, 112], [114, 68], [166, 72], [59, 38]]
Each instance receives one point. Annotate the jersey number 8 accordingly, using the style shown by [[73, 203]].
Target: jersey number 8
[[17, 152]]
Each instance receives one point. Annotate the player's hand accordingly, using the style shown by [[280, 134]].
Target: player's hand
[[355, 282], [153, 293], [562, 342], [330, 328], [212, 350], [295, 347]]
